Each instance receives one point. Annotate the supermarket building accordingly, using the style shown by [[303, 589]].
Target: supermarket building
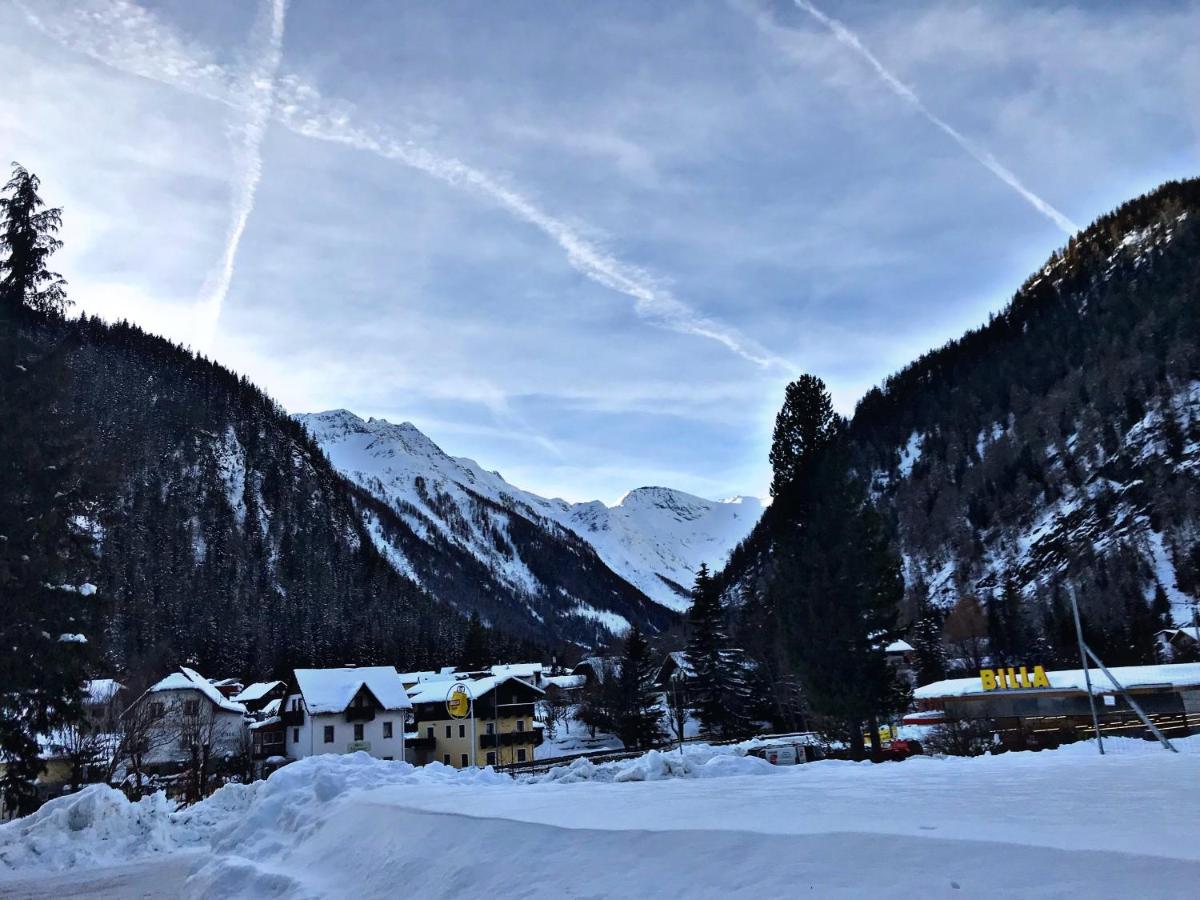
[[1031, 707]]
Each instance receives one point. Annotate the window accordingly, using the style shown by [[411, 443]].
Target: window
[[389, 758], [429, 732], [446, 759], [157, 709], [462, 730], [329, 734], [191, 707], [295, 704], [520, 754], [447, 731], [358, 731], [491, 728], [491, 757], [520, 724], [295, 735], [464, 760], [387, 729]]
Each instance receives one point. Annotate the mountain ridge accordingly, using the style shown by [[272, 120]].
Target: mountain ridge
[[654, 537]]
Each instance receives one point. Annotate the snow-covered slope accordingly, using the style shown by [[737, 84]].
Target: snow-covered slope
[[654, 539]]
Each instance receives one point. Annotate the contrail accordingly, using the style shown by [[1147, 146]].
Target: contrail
[[905, 93], [127, 37], [260, 91]]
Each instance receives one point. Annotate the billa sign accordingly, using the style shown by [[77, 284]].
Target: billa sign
[[1011, 679], [458, 702]]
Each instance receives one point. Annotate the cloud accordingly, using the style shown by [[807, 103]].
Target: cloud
[[981, 155], [259, 97], [124, 36]]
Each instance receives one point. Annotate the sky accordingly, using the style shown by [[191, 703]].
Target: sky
[[586, 245]]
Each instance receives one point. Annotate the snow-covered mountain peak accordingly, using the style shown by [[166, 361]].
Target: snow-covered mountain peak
[[655, 537]]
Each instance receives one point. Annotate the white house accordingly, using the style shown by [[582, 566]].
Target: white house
[[185, 708], [345, 710]]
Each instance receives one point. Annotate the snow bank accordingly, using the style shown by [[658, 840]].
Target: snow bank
[[97, 826], [389, 828], [697, 761]]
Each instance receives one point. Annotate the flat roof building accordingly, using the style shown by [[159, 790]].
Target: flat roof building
[[1032, 707]]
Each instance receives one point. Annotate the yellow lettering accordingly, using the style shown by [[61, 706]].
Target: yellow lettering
[[1039, 677], [1012, 677], [987, 679], [1023, 678]]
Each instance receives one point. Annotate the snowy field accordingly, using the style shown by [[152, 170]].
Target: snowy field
[[712, 824]]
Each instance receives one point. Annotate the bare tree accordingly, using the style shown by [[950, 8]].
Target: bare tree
[[556, 709], [677, 706], [140, 732], [966, 632]]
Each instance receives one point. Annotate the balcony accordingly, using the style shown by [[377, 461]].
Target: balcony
[[510, 738], [292, 717], [268, 744], [425, 742], [360, 713]]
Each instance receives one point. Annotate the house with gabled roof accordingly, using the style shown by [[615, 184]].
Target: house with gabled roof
[[184, 709], [500, 729], [344, 710]]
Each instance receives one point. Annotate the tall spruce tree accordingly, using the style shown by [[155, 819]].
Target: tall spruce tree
[[804, 425], [639, 716], [44, 609], [837, 584], [706, 639], [28, 239]]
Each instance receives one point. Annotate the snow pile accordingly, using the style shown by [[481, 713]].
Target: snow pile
[[698, 761], [664, 824], [97, 826]]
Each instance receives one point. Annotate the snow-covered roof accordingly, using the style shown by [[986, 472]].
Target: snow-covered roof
[[899, 647], [1174, 675], [101, 690], [190, 680], [265, 723], [601, 666], [272, 707], [256, 691], [521, 670], [331, 690], [414, 677], [565, 682], [435, 691]]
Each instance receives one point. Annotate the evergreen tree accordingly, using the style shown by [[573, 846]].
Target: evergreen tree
[[706, 640], [837, 585], [1008, 637], [45, 622], [805, 424], [476, 651], [28, 237], [638, 715], [926, 640]]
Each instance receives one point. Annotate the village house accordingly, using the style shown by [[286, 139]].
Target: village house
[[343, 710], [502, 731], [185, 710], [256, 697]]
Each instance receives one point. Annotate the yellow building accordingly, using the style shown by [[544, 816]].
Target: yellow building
[[502, 730]]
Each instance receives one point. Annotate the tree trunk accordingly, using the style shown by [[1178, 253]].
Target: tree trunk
[[857, 746], [876, 744]]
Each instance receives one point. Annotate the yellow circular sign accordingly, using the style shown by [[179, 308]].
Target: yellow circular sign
[[458, 702]]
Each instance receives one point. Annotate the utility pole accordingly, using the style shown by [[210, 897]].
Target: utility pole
[[1087, 677]]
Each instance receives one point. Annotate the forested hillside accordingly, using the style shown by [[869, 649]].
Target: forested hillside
[[1055, 449], [222, 533]]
